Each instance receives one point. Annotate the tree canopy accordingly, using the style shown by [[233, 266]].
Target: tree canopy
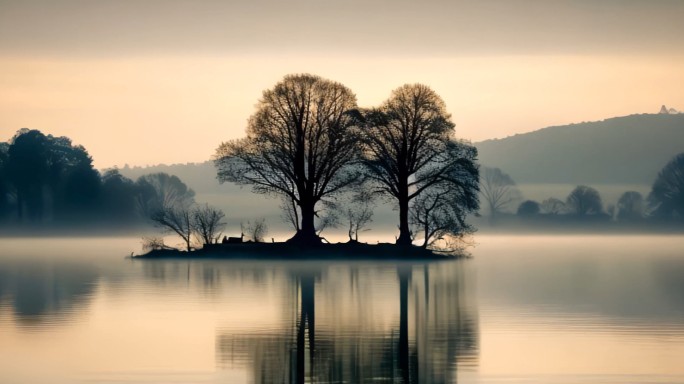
[[584, 200], [408, 150], [499, 190], [667, 193], [300, 144]]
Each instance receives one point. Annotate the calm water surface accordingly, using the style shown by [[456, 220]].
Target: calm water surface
[[524, 309]]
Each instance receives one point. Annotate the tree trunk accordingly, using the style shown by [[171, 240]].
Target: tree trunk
[[426, 228], [404, 230], [306, 235]]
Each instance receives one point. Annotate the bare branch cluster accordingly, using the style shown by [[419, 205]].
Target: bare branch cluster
[[308, 143], [498, 190], [408, 150], [256, 230], [300, 144], [199, 224]]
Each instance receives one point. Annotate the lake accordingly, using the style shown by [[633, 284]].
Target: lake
[[523, 309]]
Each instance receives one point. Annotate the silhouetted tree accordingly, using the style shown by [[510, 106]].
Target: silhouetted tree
[[28, 171], [528, 208], [177, 219], [357, 210], [300, 143], [329, 218], [408, 149], [584, 200], [552, 206], [290, 214], [119, 197], [630, 206], [498, 190], [50, 176], [81, 183], [4, 183], [255, 230], [208, 223], [158, 191], [667, 193], [439, 213]]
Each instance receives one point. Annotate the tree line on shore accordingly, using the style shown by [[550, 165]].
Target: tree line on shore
[[665, 202], [47, 180]]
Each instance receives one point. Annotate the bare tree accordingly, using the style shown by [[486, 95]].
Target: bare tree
[[208, 224], [552, 206], [300, 143], [159, 191], [255, 230], [153, 243], [329, 218], [408, 149], [178, 220], [584, 201], [358, 213], [498, 190], [290, 213], [440, 213], [631, 206]]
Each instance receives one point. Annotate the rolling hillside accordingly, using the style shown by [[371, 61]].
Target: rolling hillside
[[620, 150]]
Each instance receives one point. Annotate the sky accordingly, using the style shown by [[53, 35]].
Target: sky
[[150, 81]]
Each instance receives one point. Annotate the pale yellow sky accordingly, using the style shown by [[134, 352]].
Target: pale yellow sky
[[167, 81]]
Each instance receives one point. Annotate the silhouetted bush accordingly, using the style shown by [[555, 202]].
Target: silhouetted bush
[[528, 208]]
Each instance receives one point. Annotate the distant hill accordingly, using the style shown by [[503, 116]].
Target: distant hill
[[201, 177], [620, 150]]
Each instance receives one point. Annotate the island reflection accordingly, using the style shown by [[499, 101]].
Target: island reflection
[[344, 323]]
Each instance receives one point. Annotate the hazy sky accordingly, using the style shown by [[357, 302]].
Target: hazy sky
[[151, 81]]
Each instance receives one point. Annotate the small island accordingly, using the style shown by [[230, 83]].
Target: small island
[[351, 251], [329, 160]]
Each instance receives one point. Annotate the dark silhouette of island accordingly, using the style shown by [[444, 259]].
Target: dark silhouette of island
[[308, 143]]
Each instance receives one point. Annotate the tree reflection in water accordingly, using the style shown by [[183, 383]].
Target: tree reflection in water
[[344, 323]]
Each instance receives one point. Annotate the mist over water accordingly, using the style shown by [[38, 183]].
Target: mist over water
[[527, 308]]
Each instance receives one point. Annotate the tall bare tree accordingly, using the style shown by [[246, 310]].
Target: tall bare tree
[[408, 149], [498, 190], [300, 143]]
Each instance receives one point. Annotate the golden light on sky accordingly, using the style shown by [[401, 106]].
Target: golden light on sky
[[166, 82]]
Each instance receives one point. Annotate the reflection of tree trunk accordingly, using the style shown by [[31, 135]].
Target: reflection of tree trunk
[[306, 320], [403, 325]]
